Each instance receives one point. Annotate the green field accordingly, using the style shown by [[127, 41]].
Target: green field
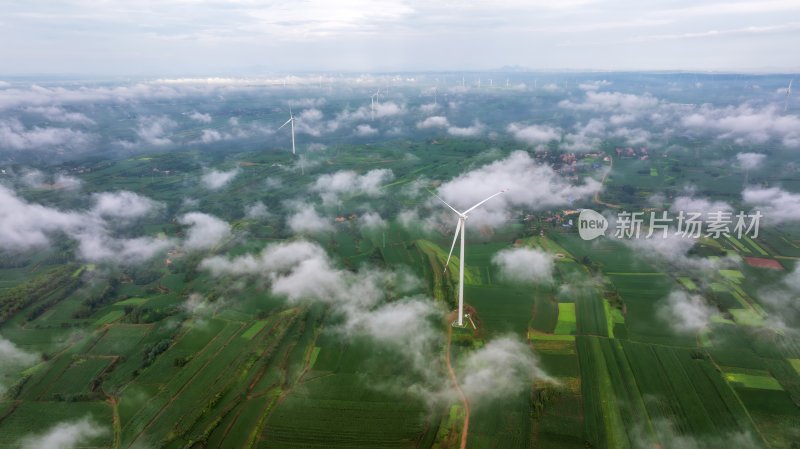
[[340, 341]]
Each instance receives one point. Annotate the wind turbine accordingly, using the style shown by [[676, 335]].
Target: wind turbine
[[375, 96], [788, 92], [460, 228], [291, 120]]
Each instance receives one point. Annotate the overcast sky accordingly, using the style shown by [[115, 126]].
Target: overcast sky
[[153, 37]]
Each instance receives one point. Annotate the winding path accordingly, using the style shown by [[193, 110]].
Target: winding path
[[596, 198], [454, 378]]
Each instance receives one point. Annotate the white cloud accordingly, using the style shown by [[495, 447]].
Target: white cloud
[[59, 114], [688, 204], [746, 125], [668, 435], [12, 360], [200, 308], [534, 134], [429, 108], [614, 102], [686, 313], [524, 265], [586, 137], [365, 130], [97, 246], [215, 179], [750, 161], [200, 117], [123, 204], [15, 136], [152, 130], [476, 129], [504, 367], [306, 220], [25, 226], [205, 231], [674, 252], [777, 205], [212, 135], [550, 87], [37, 179], [371, 221], [256, 211], [436, 121], [388, 109], [594, 85], [65, 435], [347, 182], [67, 182], [530, 185]]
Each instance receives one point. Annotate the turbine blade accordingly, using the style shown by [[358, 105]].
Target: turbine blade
[[453, 246], [287, 122], [445, 203], [487, 199]]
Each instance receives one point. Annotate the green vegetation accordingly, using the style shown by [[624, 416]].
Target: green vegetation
[[122, 343]]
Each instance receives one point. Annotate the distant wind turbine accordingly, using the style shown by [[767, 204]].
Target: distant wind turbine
[[788, 92], [291, 120], [461, 228], [375, 98]]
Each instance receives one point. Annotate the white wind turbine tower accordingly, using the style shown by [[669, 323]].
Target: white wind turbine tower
[[788, 92], [375, 97], [291, 120], [460, 228]]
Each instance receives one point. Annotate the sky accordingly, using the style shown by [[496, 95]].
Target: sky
[[182, 37]]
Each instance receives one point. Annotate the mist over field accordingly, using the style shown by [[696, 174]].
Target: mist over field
[[399, 224]]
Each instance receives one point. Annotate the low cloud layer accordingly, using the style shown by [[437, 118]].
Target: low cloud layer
[[17, 137], [504, 367], [65, 435], [306, 220], [529, 185], [12, 360], [215, 179], [524, 265], [301, 271], [533, 134], [347, 182], [776, 205], [686, 313], [205, 231], [750, 161]]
